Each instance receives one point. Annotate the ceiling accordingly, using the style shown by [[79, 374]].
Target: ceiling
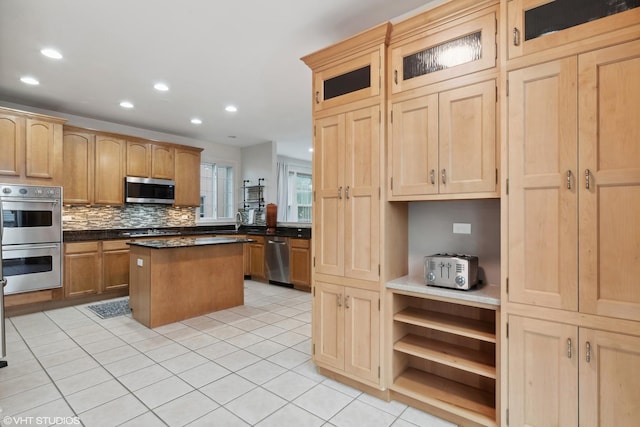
[[210, 53]]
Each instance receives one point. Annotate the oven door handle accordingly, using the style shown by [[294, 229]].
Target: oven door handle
[[22, 247], [51, 201]]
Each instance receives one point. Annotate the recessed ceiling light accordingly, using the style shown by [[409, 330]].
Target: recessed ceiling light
[[161, 87], [51, 53], [196, 121], [126, 104], [29, 80], [231, 108]]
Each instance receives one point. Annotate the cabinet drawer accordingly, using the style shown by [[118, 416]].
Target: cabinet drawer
[[467, 47], [81, 247], [259, 240], [115, 245], [299, 243]]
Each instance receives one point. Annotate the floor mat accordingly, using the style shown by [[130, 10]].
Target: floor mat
[[109, 309]]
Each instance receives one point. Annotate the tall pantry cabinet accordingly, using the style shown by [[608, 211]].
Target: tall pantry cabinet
[[351, 255], [571, 302]]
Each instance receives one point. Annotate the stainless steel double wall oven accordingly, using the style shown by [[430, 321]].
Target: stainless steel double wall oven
[[31, 225]]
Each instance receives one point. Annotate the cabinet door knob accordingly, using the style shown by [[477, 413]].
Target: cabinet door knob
[[346, 301], [588, 352], [432, 175], [395, 76], [587, 178], [444, 176], [569, 348], [346, 192], [516, 36], [317, 97], [339, 300], [568, 180], [340, 192]]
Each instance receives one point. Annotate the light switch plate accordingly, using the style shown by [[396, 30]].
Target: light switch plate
[[461, 228], [139, 262]]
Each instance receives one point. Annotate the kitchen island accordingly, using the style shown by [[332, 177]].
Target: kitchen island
[[176, 279]]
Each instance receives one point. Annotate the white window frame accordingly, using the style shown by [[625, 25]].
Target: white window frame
[[215, 218]]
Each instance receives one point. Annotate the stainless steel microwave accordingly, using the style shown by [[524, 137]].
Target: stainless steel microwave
[[149, 190]]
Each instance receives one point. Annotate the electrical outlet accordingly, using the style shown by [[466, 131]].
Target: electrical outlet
[[139, 262], [67, 217], [184, 217], [461, 228]]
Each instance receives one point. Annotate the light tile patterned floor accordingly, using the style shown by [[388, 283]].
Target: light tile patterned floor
[[243, 366]]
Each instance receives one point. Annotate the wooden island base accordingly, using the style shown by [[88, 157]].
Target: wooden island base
[[173, 284]]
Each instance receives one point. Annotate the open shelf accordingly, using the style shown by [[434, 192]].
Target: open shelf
[[456, 325], [468, 402], [448, 354]]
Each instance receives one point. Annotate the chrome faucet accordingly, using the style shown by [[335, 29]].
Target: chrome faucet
[[238, 220]]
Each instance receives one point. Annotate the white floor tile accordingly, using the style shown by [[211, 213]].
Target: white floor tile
[[265, 348], [163, 391], [151, 343], [342, 388], [130, 364], [184, 362], [255, 405], [104, 345], [116, 354], [225, 332], [244, 340], [83, 380], [357, 414], [166, 352], [29, 399], [237, 360], [148, 419], [61, 357], [23, 383], [144, 377], [113, 413], [323, 401], [420, 418], [292, 416], [95, 396], [186, 409], [204, 374], [289, 358], [217, 350], [198, 341], [289, 338], [220, 417], [289, 385], [392, 407], [71, 368], [227, 388], [261, 372]]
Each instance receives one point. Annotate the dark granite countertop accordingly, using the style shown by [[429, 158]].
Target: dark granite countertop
[[187, 242], [133, 233]]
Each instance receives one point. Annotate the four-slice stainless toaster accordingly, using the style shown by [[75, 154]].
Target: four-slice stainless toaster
[[451, 271]]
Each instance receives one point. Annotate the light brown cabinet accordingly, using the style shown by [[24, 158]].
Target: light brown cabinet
[[139, 159], [32, 148], [424, 54], [187, 176], [300, 263], [95, 267], [444, 144], [162, 161], [94, 172], [347, 194], [568, 376], [346, 323], [256, 258], [573, 204], [537, 25]]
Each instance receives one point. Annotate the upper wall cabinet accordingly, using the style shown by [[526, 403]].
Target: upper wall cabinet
[[31, 147], [536, 25], [423, 56], [187, 176], [352, 75], [150, 160]]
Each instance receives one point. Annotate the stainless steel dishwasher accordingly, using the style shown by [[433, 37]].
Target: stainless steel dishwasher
[[276, 259]]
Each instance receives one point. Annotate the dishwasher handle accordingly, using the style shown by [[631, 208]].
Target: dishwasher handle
[[277, 242]]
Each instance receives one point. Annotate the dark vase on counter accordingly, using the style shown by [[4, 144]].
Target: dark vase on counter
[[272, 218]]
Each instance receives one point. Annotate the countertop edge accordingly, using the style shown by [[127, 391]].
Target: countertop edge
[[188, 242], [485, 294]]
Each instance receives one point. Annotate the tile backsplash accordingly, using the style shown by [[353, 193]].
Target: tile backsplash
[[127, 216]]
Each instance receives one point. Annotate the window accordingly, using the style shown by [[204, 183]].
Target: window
[[300, 195], [216, 191]]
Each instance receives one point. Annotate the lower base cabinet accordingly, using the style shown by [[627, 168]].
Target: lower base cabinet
[[444, 357], [564, 375], [300, 263], [346, 331], [95, 267], [256, 258]]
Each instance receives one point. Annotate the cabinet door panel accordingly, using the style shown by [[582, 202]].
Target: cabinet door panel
[[609, 126], [109, 171], [609, 386], [468, 139], [362, 333], [11, 144], [40, 149], [138, 159], [187, 172], [162, 165], [82, 274], [328, 177], [78, 149], [115, 266], [362, 212], [415, 146], [543, 375], [328, 324], [543, 228]]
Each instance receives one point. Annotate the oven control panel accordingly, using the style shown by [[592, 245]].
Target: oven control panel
[[30, 191]]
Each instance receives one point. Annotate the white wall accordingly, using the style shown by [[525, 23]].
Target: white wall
[[259, 161], [431, 231]]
